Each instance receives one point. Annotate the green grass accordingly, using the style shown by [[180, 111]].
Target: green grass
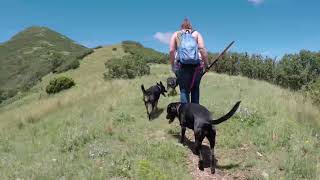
[[99, 129]]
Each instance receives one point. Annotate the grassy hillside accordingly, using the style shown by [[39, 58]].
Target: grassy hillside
[[33, 53], [99, 129], [148, 55]]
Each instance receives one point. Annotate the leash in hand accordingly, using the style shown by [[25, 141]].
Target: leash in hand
[[218, 57]]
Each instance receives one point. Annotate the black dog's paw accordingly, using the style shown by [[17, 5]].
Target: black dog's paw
[[201, 166], [213, 170], [182, 142]]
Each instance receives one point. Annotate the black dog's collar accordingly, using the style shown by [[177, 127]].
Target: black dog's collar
[[179, 107]]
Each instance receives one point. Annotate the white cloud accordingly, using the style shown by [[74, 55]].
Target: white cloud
[[163, 37], [256, 2]]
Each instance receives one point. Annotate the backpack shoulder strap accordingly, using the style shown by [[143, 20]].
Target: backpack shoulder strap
[[189, 31], [181, 32]]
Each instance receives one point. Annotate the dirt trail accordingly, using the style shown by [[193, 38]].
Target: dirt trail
[[222, 173]]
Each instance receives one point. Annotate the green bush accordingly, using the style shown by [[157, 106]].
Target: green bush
[[84, 54], [58, 84], [60, 63], [56, 61], [2, 98], [313, 91], [6, 94], [292, 71], [97, 47], [71, 64], [148, 55], [127, 67]]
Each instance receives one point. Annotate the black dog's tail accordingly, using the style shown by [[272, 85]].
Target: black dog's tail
[[228, 115], [143, 90]]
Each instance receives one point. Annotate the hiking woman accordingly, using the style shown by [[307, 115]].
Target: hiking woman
[[189, 59]]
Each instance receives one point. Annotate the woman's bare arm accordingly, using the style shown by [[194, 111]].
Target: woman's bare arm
[[202, 49], [173, 47]]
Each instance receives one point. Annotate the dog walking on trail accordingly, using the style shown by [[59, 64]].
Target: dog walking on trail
[[200, 120], [189, 60], [171, 86], [151, 97]]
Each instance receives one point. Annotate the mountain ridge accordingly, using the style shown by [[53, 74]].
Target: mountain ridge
[[34, 52]]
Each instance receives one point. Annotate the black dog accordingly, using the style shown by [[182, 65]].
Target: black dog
[[151, 97], [171, 85], [199, 119]]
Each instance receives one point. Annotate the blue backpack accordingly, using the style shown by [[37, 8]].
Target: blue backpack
[[188, 52]]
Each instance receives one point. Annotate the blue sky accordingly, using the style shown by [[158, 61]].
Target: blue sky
[[269, 27]]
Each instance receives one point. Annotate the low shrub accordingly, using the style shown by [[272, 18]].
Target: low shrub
[[61, 63], [121, 167], [313, 91], [84, 54], [127, 67], [6, 94], [97, 47], [74, 139], [148, 55], [71, 64], [56, 61], [58, 84]]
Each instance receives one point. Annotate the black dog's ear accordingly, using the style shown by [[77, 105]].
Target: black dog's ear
[[173, 108], [162, 86], [170, 108], [158, 83]]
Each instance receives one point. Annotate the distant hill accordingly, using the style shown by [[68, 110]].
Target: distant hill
[[33, 53]]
